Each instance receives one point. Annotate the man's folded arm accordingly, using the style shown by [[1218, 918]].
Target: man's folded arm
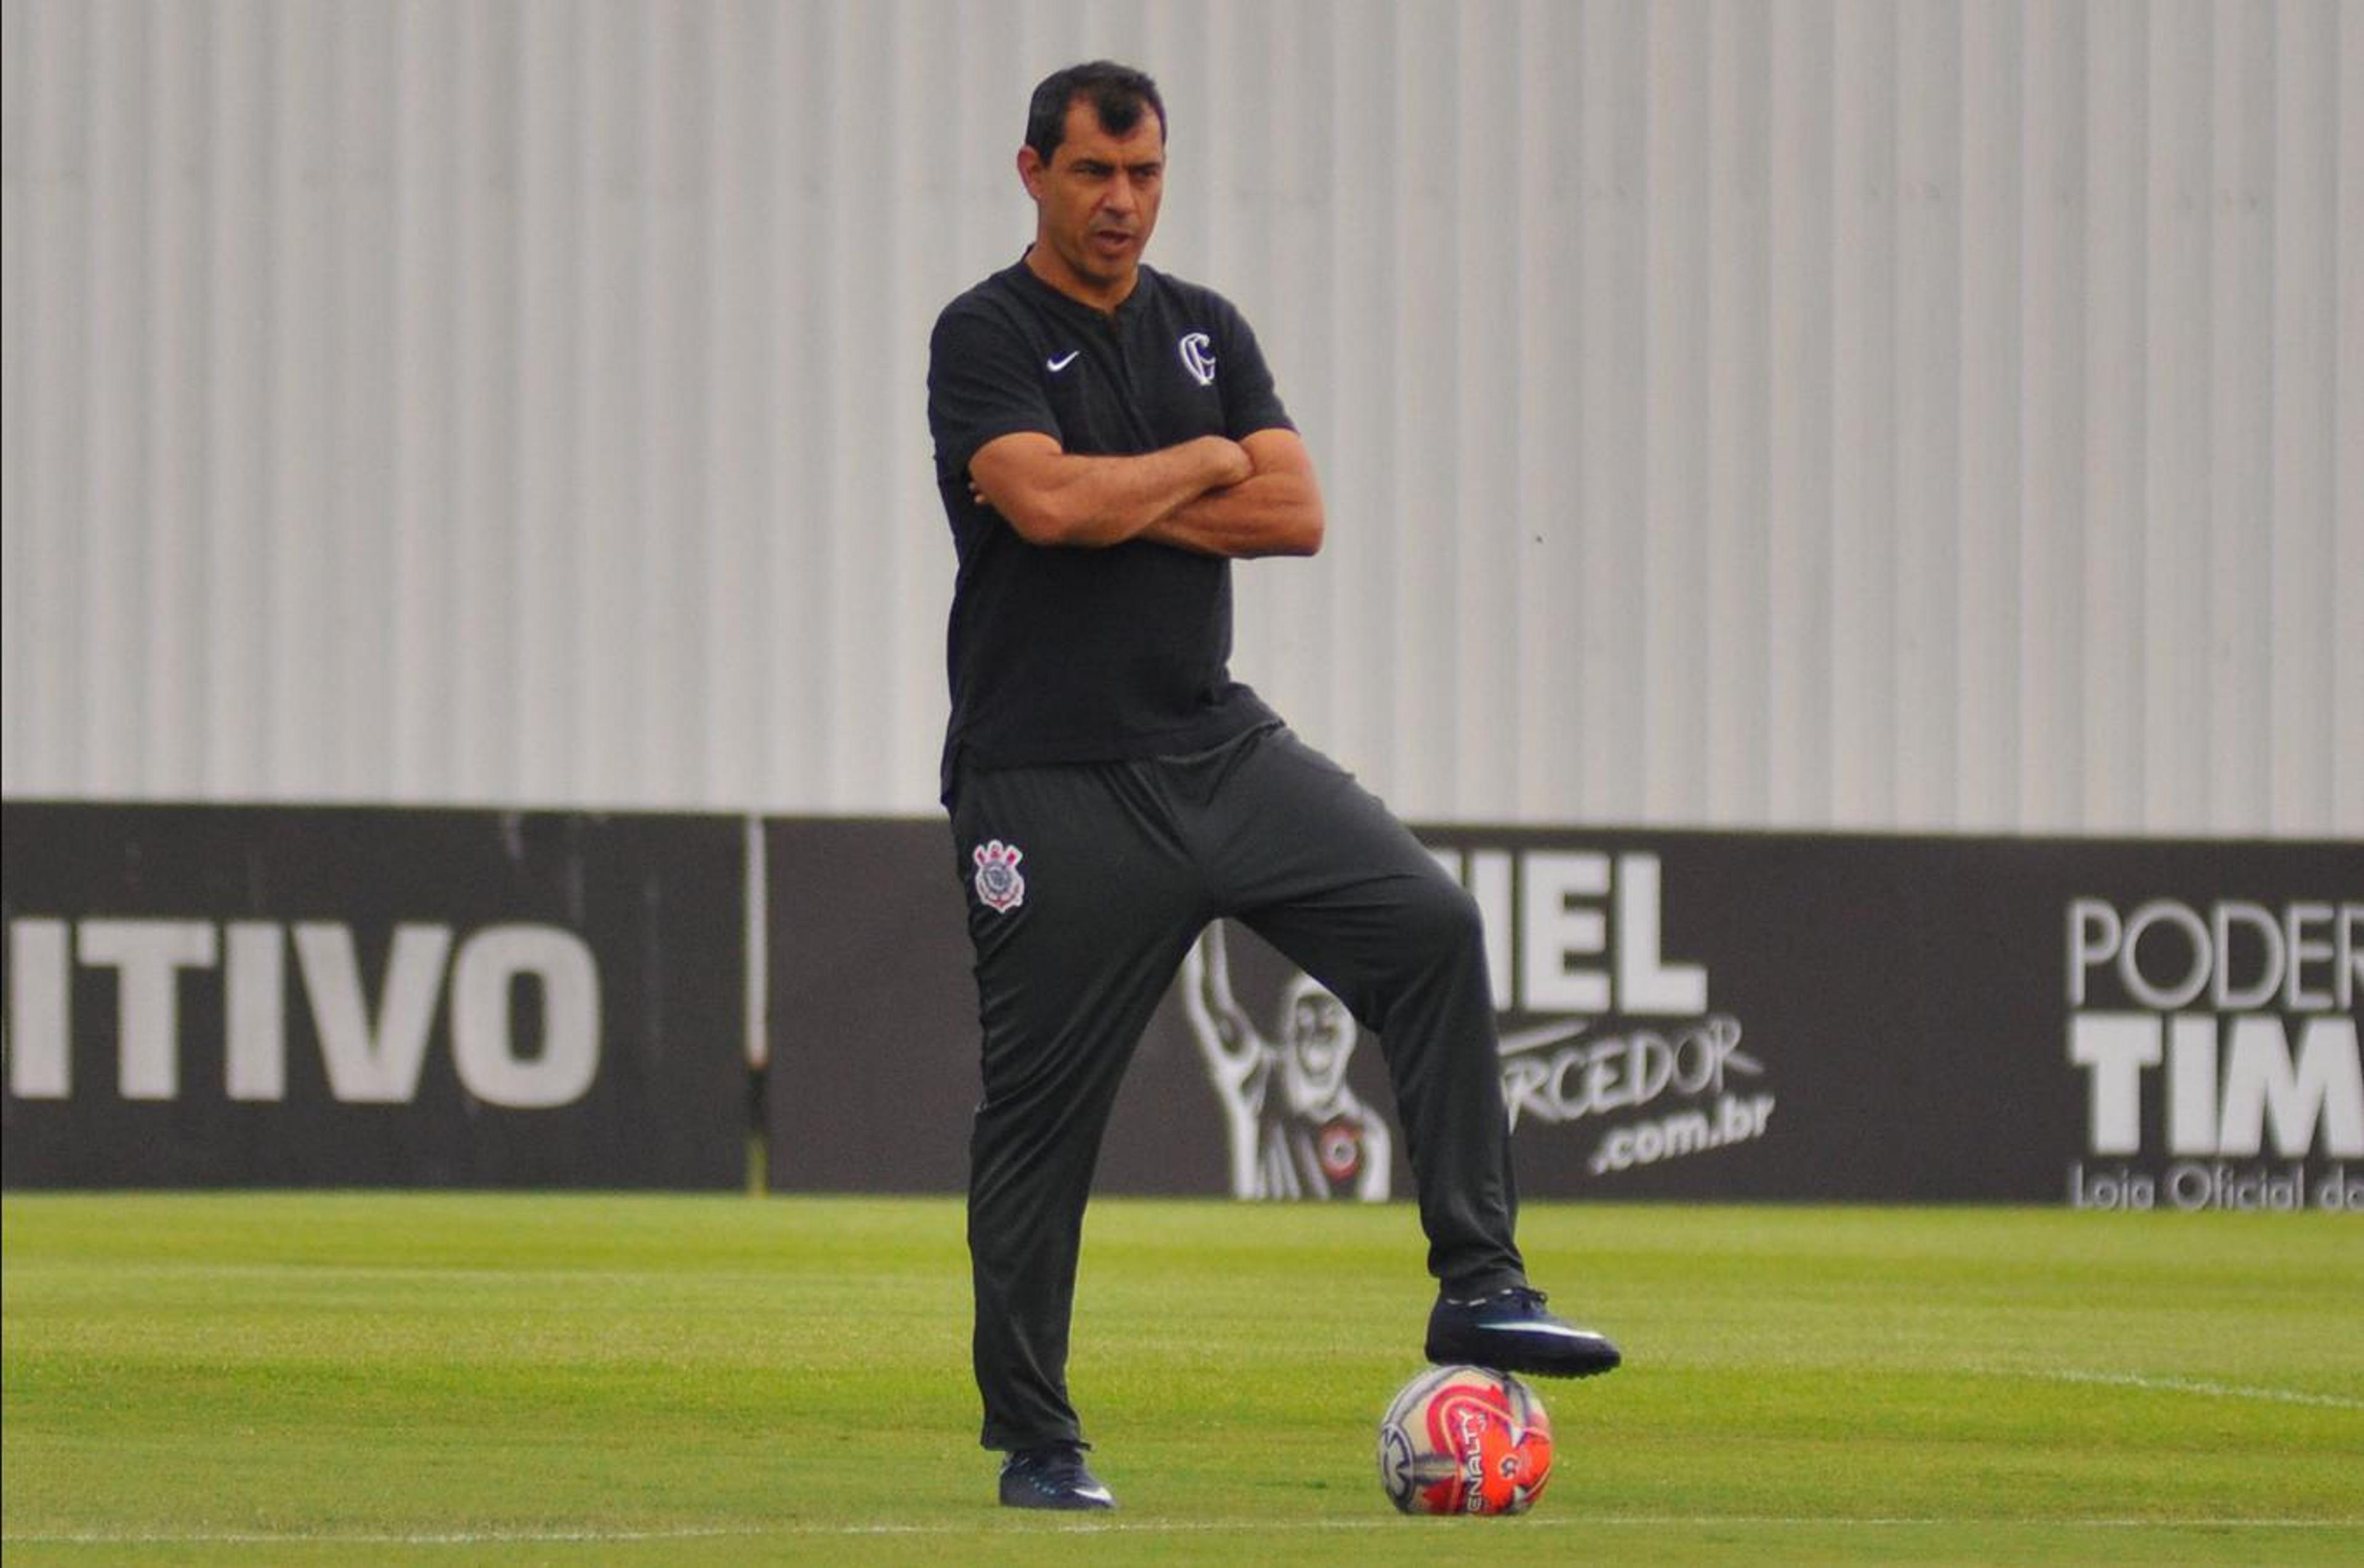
[[1054, 497], [1277, 510]]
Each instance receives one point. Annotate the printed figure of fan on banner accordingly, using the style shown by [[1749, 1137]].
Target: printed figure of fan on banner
[[1463, 1439]]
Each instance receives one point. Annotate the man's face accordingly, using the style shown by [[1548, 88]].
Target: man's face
[[1095, 203], [1319, 1036]]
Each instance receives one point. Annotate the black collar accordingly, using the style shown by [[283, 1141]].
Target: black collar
[[1130, 305]]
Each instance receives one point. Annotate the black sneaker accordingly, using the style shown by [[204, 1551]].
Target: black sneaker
[[1051, 1477], [1509, 1331]]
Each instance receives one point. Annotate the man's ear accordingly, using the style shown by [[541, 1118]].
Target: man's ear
[[1031, 171]]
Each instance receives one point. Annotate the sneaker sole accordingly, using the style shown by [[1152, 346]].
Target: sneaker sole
[[1062, 1506], [1607, 1360]]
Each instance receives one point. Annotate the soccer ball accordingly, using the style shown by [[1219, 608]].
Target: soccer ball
[[1461, 1439]]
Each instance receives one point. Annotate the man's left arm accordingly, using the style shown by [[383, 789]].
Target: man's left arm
[[1277, 510]]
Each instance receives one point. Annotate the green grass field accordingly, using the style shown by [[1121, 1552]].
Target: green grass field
[[475, 1379]]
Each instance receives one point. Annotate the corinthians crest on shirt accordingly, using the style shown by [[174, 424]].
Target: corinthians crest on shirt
[[1000, 887]]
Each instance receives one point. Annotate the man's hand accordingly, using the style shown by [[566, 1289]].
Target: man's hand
[[1277, 510]]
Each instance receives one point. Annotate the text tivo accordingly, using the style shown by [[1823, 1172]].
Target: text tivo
[[369, 1056]]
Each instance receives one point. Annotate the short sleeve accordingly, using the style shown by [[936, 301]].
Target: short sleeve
[[1251, 402], [982, 384]]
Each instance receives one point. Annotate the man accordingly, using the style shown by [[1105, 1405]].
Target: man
[[1297, 1127], [1108, 439]]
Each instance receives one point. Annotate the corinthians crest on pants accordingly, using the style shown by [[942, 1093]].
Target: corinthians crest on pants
[[998, 885]]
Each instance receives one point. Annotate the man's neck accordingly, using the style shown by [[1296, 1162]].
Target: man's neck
[[1041, 262]]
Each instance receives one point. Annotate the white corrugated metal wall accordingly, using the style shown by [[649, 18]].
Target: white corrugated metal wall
[[1935, 415]]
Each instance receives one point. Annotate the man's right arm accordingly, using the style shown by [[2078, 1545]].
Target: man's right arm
[[1052, 498]]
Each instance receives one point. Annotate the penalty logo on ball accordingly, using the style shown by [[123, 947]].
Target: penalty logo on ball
[[1461, 1439]]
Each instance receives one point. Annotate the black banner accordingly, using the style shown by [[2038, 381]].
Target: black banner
[[872, 1014], [2106, 1023], [236, 996]]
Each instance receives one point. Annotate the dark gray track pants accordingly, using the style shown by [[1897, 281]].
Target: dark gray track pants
[[1123, 864]]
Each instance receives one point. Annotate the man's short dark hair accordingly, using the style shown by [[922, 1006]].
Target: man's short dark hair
[[1117, 93]]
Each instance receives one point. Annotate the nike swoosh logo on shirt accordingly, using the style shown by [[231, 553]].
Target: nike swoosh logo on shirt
[[1063, 361]]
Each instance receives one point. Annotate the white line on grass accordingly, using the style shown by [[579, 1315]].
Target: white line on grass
[[2189, 1385], [1003, 1524]]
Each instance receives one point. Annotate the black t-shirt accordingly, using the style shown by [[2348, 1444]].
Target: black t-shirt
[[1061, 654]]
